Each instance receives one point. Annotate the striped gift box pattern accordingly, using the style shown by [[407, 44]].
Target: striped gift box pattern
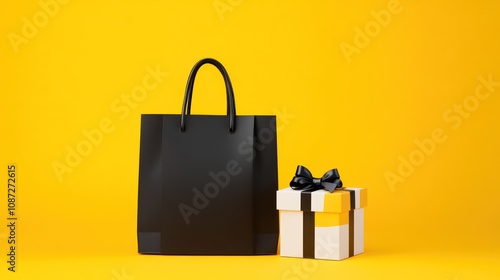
[[320, 224]]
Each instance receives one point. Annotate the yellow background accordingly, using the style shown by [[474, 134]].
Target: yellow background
[[358, 113]]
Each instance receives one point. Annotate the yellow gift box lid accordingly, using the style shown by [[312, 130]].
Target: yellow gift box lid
[[340, 200]]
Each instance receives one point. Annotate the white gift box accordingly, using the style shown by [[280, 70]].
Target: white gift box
[[320, 224]]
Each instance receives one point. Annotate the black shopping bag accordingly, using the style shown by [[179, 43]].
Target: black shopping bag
[[207, 184]]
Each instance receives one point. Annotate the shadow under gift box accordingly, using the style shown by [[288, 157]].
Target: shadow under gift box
[[322, 225]]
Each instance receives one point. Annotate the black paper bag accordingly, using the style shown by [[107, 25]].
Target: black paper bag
[[207, 184]]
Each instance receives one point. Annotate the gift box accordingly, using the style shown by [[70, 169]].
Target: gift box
[[322, 225]]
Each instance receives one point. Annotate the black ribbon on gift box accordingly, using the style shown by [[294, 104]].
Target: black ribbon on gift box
[[303, 180], [309, 220]]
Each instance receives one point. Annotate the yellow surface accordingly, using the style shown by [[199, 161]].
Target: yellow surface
[[340, 200], [363, 198], [409, 111], [337, 202], [330, 219]]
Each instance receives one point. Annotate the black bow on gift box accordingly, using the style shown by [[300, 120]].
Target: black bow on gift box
[[303, 180]]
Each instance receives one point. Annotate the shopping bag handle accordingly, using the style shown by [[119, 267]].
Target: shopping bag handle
[[186, 105]]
